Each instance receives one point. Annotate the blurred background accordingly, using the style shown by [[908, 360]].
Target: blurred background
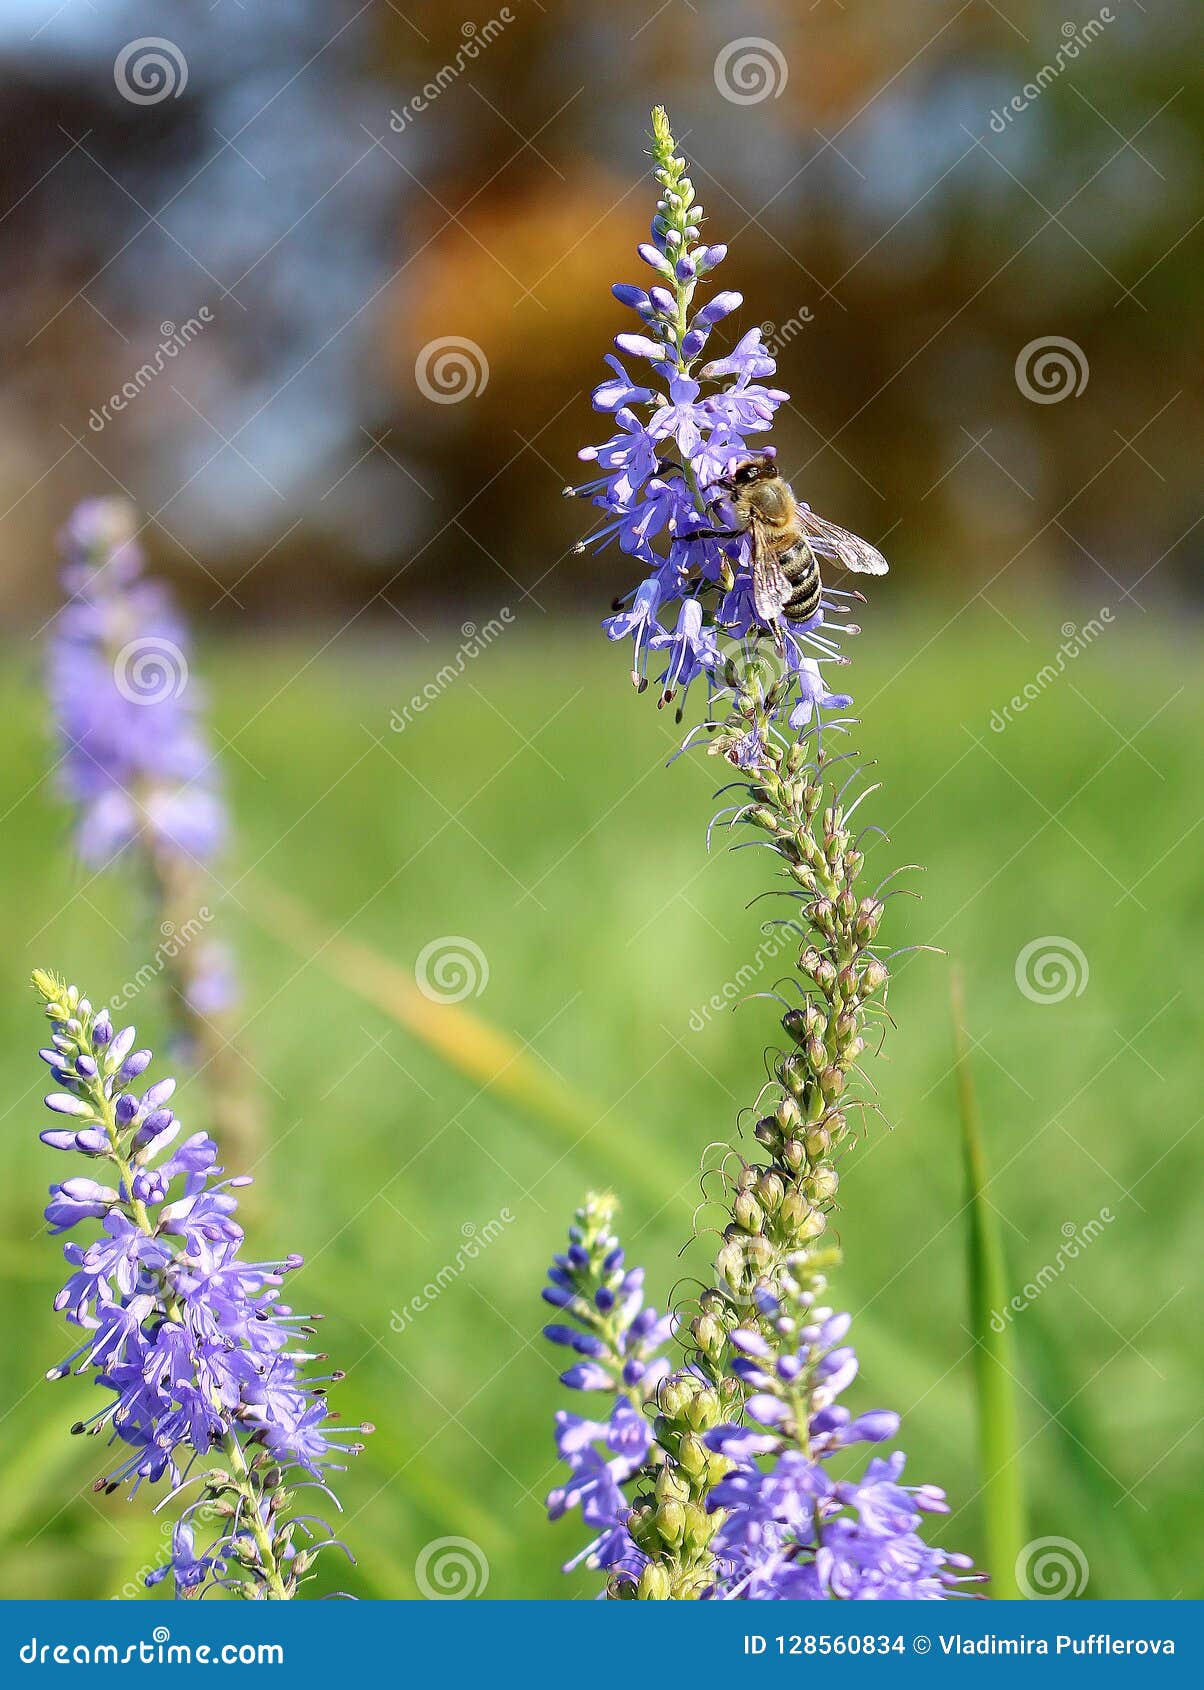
[[323, 289]]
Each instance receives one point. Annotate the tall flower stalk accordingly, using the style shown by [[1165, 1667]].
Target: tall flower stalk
[[201, 1364], [141, 777], [733, 1497]]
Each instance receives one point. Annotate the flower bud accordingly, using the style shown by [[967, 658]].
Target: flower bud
[[673, 1399], [831, 1082], [700, 1527], [822, 1185], [770, 1192], [787, 1114], [671, 1523], [794, 1022], [703, 1412], [708, 1334], [748, 1212], [692, 1456], [873, 976], [669, 1488], [818, 1142], [654, 1583]]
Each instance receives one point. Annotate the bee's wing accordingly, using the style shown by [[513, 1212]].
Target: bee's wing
[[771, 589], [850, 550]]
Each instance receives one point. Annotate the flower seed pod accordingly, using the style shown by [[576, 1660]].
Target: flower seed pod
[[821, 1186], [654, 1585], [831, 1082], [770, 1192], [818, 1142], [748, 1212], [671, 1523], [787, 1114]]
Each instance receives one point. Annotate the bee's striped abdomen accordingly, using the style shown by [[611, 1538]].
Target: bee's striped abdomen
[[801, 569]]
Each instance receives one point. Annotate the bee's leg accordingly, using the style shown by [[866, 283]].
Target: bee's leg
[[712, 534]]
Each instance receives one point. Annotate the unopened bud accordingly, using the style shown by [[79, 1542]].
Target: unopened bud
[[770, 1191], [671, 1523], [748, 1212], [787, 1114], [818, 1142], [822, 1185], [831, 1082], [654, 1583]]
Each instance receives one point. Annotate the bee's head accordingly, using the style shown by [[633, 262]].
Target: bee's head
[[747, 474]]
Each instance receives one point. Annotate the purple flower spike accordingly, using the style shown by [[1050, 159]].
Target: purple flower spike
[[199, 1362]]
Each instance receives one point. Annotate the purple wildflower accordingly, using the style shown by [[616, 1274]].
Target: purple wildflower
[[134, 761], [195, 1351], [605, 1320], [681, 435], [790, 1532]]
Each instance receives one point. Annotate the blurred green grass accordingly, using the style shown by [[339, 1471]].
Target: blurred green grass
[[529, 809]]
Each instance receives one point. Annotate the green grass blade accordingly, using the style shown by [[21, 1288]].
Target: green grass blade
[[994, 1360], [469, 1044], [1118, 1540]]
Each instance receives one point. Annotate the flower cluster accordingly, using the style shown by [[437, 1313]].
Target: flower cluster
[[140, 773], [197, 1355], [661, 476], [619, 1341], [790, 1531], [134, 761]]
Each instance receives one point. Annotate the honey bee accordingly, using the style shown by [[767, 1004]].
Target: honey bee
[[788, 539]]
